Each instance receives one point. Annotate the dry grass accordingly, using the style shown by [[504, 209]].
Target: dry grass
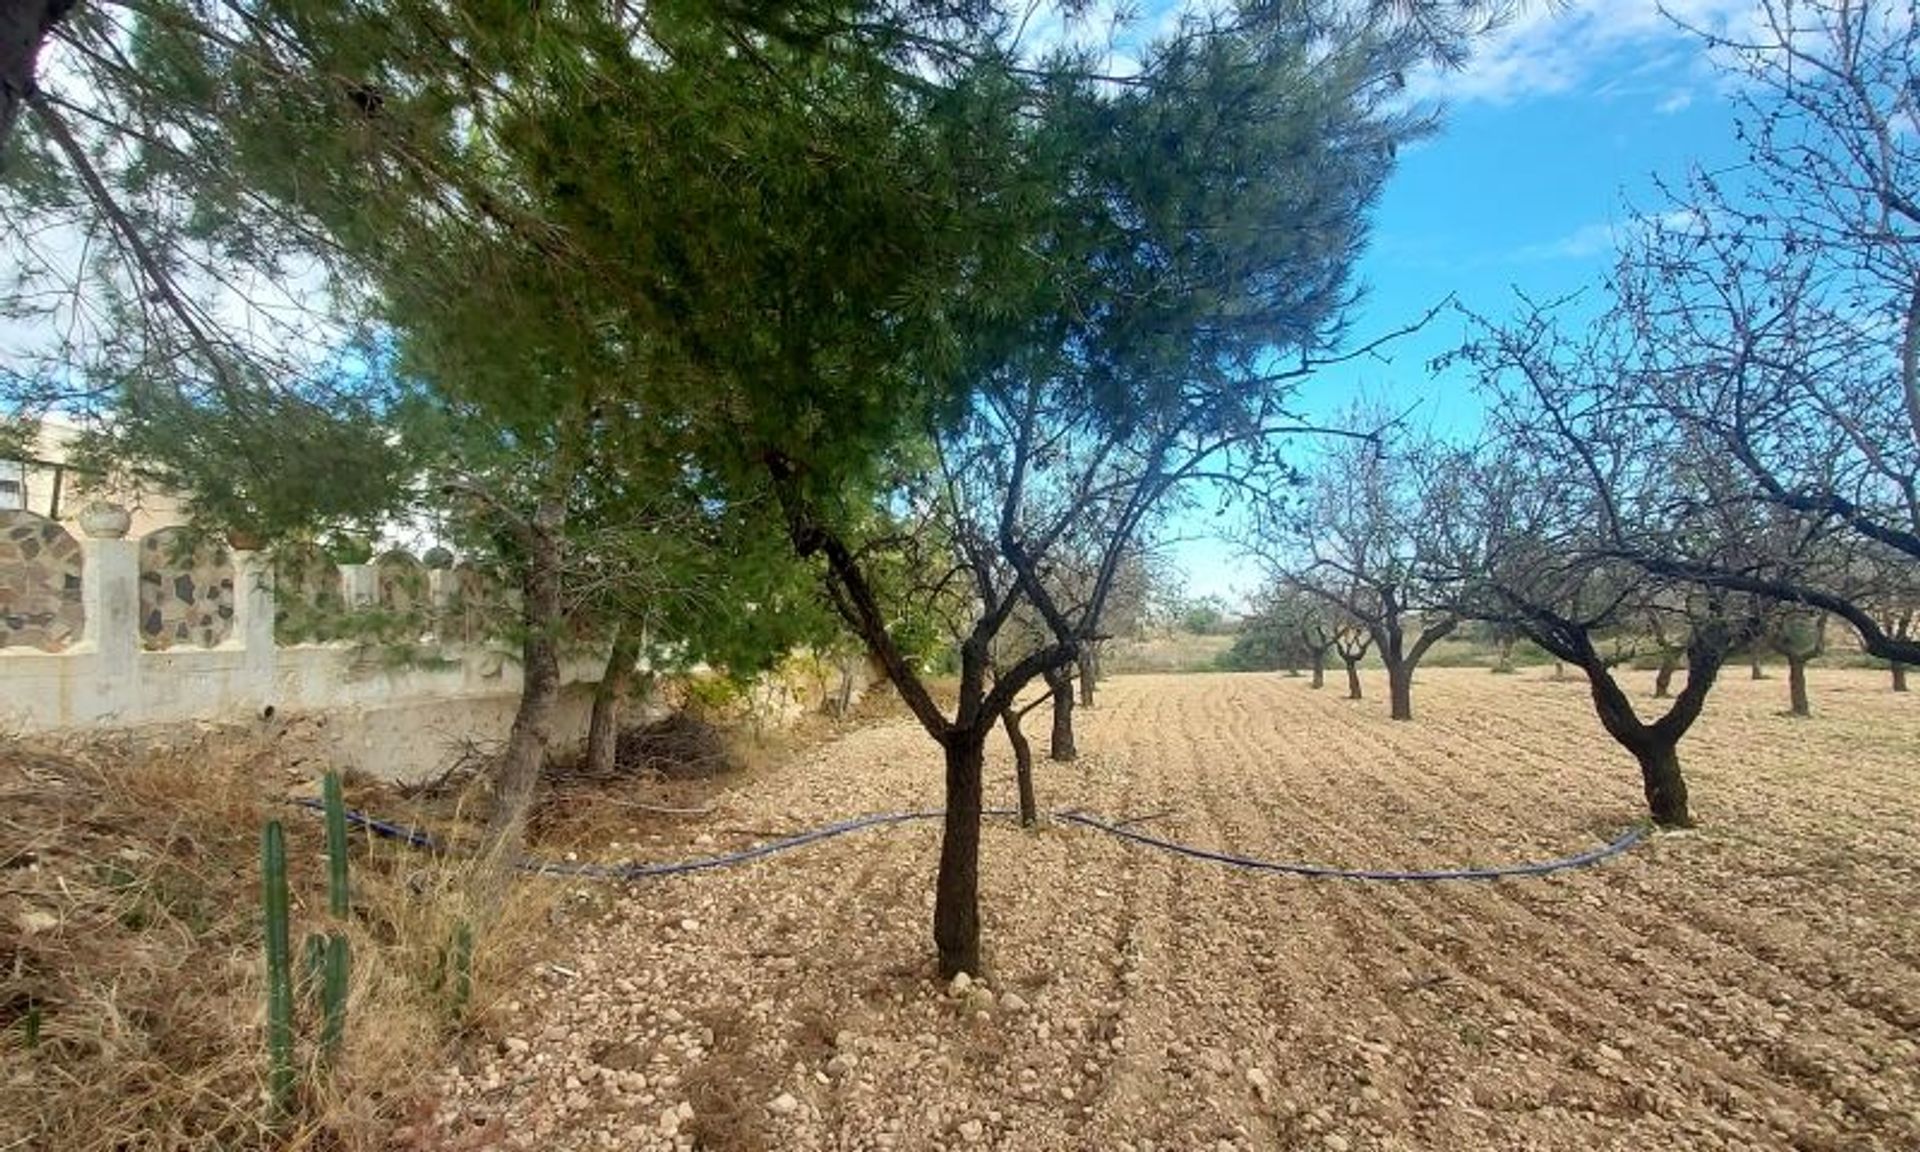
[[1165, 652], [131, 943]]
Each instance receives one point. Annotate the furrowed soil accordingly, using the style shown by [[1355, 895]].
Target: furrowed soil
[[1753, 983]]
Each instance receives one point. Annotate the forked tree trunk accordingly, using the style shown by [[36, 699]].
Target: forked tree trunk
[[1655, 746], [956, 904], [1401, 660], [1663, 679], [1060, 746], [1087, 675], [1657, 753], [1022, 766], [1353, 678], [1797, 701], [1899, 671], [603, 729]]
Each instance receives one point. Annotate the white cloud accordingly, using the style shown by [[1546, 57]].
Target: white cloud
[[1678, 100], [1602, 237], [1583, 242], [1550, 49]]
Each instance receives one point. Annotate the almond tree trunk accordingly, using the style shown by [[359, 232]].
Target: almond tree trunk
[[1663, 783], [1319, 670], [1088, 673], [956, 904], [1899, 671], [1353, 677], [1797, 701], [1663, 679], [1060, 746], [1655, 747], [1400, 690], [1022, 767]]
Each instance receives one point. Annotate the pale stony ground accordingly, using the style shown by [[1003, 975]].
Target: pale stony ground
[[1752, 984]]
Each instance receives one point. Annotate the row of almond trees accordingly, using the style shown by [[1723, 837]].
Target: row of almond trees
[[1719, 451]]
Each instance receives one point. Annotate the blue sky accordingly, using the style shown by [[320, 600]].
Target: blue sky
[[1551, 135]]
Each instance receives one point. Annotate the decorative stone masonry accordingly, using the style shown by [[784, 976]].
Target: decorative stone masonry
[[307, 597], [41, 567], [477, 606], [186, 591], [402, 582]]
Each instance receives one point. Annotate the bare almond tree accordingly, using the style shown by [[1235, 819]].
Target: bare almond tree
[[1359, 542], [1775, 308]]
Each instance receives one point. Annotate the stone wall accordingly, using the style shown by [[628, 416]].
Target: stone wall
[[41, 572], [186, 591], [167, 629]]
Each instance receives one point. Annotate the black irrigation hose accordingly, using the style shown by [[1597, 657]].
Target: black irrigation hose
[[422, 839]]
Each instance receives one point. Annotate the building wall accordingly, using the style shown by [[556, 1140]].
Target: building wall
[[47, 486]]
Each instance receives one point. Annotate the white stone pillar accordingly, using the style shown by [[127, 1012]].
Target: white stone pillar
[[110, 635], [253, 613], [359, 586]]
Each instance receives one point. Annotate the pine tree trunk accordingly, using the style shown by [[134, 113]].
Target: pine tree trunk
[[541, 614], [24, 25], [1353, 679], [1797, 686], [1087, 675], [956, 906], [1022, 767], [1400, 690], [603, 730], [1319, 670], [1663, 679], [1899, 671], [1060, 747]]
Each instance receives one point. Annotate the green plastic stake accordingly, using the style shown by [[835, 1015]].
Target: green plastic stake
[[280, 1070], [333, 983], [333, 996], [336, 845], [316, 966]]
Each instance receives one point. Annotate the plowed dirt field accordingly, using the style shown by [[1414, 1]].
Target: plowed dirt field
[[1754, 983]]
